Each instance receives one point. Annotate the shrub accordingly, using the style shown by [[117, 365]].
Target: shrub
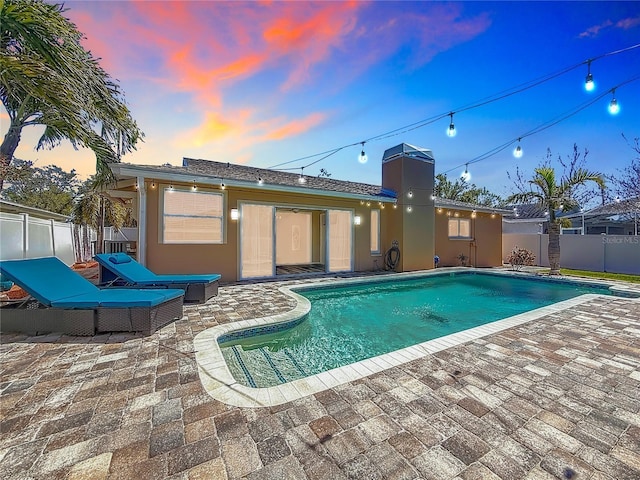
[[520, 257]]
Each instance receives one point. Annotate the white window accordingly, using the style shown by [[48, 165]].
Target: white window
[[460, 228], [192, 217], [375, 232]]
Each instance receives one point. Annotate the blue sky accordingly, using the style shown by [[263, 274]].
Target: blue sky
[[264, 83]]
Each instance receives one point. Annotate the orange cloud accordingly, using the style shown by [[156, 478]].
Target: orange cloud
[[296, 127]]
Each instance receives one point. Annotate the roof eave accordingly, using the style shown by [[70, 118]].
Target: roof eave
[[123, 171]]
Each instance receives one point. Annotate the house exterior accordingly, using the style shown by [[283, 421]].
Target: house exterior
[[615, 218], [467, 234], [248, 223], [525, 218]]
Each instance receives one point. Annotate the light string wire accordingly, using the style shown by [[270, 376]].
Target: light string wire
[[479, 103], [567, 114]]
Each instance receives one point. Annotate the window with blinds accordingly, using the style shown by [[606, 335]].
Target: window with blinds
[[192, 217], [460, 228]]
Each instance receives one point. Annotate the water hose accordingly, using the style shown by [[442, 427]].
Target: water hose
[[392, 257]]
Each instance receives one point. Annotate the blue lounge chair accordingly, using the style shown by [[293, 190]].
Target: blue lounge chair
[[63, 301], [121, 269]]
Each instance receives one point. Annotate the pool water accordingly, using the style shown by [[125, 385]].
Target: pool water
[[351, 323]]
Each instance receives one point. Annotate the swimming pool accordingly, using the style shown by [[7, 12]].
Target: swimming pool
[[350, 323], [217, 379]]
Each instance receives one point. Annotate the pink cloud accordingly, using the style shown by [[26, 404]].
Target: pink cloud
[[205, 49], [625, 24], [595, 30], [628, 23]]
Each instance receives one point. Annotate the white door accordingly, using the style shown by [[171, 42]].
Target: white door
[[256, 241]]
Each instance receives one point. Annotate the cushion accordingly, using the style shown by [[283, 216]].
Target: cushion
[[118, 258]]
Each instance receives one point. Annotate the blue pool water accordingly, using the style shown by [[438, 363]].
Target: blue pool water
[[351, 323]]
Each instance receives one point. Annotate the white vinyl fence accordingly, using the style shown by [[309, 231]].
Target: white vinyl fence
[[598, 253], [22, 236]]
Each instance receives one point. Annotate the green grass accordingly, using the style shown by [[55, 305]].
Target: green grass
[[602, 275]]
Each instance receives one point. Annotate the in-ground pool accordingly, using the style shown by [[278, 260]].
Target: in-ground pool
[[350, 323]]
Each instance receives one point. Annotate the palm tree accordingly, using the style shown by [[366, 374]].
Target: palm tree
[[96, 209], [553, 197], [48, 78]]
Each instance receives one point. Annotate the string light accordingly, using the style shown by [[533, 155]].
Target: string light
[[518, 150], [589, 86], [480, 103], [451, 131], [137, 185], [614, 108], [465, 176], [363, 156]]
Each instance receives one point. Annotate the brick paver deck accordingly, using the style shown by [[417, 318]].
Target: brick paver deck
[[554, 398]]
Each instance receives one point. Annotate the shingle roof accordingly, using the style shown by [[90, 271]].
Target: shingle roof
[[525, 211], [615, 208], [233, 171]]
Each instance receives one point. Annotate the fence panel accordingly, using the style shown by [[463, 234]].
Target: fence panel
[[22, 236], [598, 253]]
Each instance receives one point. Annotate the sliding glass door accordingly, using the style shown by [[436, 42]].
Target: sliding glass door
[[340, 241], [256, 241]]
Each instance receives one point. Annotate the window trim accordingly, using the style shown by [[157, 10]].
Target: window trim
[[459, 237], [165, 190]]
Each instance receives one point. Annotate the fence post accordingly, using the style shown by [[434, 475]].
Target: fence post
[[25, 234], [53, 236]]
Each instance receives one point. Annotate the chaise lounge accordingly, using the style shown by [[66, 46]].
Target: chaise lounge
[[121, 269], [61, 300]]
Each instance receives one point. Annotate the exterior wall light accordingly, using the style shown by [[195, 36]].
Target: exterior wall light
[[234, 214], [357, 220]]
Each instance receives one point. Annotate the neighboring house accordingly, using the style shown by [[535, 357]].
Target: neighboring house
[[525, 218], [615, 218], [246, 222], [16, 208]]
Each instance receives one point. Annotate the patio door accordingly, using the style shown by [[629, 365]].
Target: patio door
[[256, 241], [340, 241]]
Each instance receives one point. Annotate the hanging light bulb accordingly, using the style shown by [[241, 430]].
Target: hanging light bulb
[[517, 152], [301, 179], [260, 181], [171, 188], [466, 176], [410, 193], [363, 156], [222, 185], [409, 208], [614, 108], [194, 187], [153, 184], [589, 85], [451, 131]]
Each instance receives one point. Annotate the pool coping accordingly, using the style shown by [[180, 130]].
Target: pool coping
[[220, 384]]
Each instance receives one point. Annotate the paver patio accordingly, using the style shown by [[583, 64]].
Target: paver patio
[[554, 398]]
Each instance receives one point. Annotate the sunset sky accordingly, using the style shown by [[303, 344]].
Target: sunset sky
[[263, 83]]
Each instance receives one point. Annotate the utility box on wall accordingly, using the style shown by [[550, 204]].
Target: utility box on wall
[[409, 171]]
